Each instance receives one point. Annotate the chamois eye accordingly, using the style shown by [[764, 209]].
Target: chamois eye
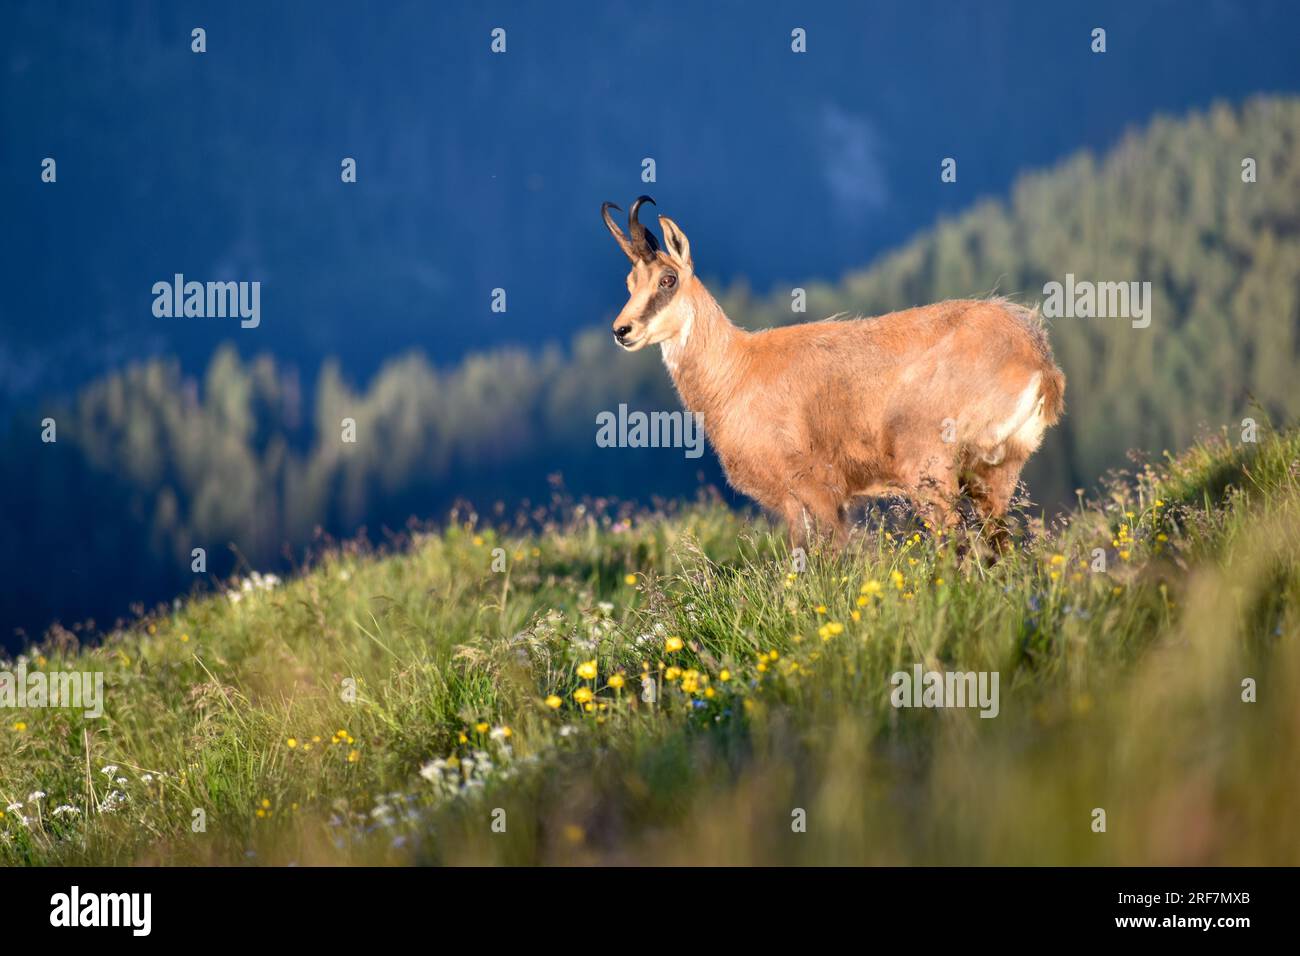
[[668, 281]]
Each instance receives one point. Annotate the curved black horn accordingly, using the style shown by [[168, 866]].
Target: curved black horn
[[644, 244], [614, 231]]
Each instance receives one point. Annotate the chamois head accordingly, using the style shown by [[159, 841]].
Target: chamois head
[[656, 309]]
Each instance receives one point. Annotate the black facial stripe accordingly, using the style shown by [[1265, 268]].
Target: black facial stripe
[[659, 301]]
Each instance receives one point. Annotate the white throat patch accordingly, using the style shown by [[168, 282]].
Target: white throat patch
[[672, 348]]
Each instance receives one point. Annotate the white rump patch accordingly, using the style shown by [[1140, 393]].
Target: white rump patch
[[1025, 426]]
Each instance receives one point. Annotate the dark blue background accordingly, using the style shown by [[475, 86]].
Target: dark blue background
[[478, 170]]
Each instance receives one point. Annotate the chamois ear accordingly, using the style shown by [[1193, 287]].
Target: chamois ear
[[676, 244]]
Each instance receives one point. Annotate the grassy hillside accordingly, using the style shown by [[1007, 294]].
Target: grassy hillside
[[513, 696], [251, 451]]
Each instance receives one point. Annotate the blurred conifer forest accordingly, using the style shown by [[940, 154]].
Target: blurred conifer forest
[[247, 460]]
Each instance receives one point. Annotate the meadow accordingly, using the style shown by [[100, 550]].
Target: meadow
[[611, 685]]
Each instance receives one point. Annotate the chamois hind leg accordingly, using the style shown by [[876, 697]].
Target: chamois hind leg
[[812, 513], [991, 488], [934, 488], [936, 506]]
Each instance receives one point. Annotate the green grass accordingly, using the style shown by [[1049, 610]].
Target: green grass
[[1120, 690]]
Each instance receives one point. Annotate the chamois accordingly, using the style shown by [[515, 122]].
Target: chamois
[[926, 403]]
